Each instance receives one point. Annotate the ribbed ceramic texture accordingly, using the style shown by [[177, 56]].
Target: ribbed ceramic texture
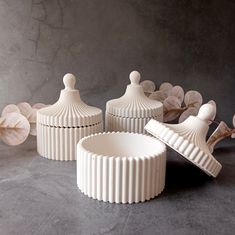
[[136, 125], [69, 110], [134, 107], [133, 110], [186, 142], [57, 143], [134, 103], [120, 179], [69, 115]]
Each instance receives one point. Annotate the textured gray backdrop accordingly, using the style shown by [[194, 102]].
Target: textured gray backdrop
[[190, 43]]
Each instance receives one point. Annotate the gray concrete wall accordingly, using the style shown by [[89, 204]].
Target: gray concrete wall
[[190, 43]]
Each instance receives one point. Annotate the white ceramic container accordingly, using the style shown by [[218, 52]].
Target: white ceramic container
[[121, 167], [62, 125], [189, 139], [133, 110]]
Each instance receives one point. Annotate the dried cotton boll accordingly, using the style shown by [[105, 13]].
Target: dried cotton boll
[[11, 108], [18, 121], [172, 102], [193, 99], [148, 86], [172, 107], [178, 92], [158, 95], [14, 128], [25, 109], [31, 114], [166, 88]]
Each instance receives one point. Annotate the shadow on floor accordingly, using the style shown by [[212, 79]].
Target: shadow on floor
[[225, 150], [184, 176]]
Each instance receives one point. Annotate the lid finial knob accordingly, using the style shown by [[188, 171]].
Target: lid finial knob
[[135, 77], [206, 112], [69, 81]]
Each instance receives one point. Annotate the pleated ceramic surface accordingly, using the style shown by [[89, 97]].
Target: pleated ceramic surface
[[121, 167], [133, 110], [62, 125], [189, 139]]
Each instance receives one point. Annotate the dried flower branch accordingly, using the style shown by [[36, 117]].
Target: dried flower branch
[[220, 133], [176, 103], [18, 121], [14, 128], [148, 87]]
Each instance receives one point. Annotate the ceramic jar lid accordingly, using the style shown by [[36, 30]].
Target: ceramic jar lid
[[134, 103], [189, 139], [69, 110]]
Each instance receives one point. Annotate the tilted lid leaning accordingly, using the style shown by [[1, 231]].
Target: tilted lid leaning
[[189, 139], [134, 103], [69, 110]]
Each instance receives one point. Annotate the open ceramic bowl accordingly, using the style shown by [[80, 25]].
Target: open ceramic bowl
[[121, 167]]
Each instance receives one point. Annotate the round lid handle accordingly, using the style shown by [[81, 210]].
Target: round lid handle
[[206, 112], [135, 77], [69, 81]]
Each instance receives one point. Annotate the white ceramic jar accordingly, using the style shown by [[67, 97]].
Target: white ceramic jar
[[133, 110], [121, 167], [62, 125]]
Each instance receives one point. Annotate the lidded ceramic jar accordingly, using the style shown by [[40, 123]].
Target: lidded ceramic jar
[[133, 110], [61, 125]]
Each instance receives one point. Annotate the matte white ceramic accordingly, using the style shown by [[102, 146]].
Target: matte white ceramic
[[133, 110], [120, 124], [189, 139], [121, 167], [62, 125]]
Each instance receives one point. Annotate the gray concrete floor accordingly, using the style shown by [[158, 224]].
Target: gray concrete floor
[[39, 196]]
